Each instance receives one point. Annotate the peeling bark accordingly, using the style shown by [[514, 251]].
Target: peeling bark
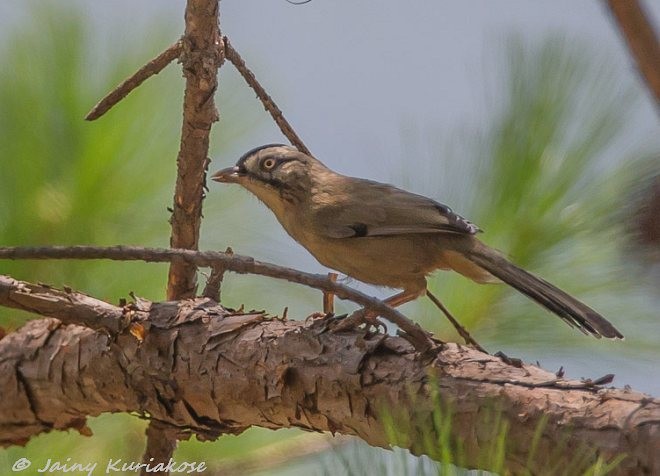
[[68, 306], [203, 370]]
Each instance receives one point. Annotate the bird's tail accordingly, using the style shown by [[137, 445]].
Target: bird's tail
[[572, 311]]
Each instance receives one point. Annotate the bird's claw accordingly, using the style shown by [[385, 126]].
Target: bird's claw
[[376, 324], [359, 318], [319, 316], [324, 322]]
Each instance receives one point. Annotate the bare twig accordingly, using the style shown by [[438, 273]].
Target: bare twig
[[236, 263], [152, 68], [642, 40], [213, 283], [235, 59], [328, 297], [457, 325]]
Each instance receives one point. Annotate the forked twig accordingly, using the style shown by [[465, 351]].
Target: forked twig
[[457, 325], [234, 58], [214, 281], [152, 68]]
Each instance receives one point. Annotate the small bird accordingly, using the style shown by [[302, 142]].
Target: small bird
[[382, 235]]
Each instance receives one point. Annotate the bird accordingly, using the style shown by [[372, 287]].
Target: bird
[[385, 236]]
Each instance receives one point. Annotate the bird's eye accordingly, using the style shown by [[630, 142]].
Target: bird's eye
[[268, 164]]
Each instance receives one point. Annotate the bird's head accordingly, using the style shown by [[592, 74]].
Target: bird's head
[[273, 173]]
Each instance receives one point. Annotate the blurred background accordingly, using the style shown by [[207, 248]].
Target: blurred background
[[526, 117]]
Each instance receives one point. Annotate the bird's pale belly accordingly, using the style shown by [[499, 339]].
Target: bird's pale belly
[[369, 259]]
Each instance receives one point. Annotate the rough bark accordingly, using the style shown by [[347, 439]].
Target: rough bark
[[201, 57], [68, 306], [200, 369]]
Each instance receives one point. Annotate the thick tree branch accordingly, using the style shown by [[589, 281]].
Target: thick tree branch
[[202, 370], [68, 306], [642, 41], [230, 262], [201, 57]]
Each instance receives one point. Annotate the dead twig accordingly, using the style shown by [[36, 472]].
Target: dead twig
[[462, 331], [235, 263], [152, 68], [213, 283], [235, 59]]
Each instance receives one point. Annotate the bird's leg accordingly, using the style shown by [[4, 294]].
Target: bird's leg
[[401, 298], [459, 328], [319, 315], [370, 318], [328, 303]]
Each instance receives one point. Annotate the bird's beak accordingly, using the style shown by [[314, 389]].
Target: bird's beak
[[228, 175]]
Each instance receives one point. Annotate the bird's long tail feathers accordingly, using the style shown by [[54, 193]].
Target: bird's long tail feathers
[[572, 311]]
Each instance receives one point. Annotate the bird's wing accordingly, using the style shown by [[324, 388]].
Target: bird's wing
[[384, 210]]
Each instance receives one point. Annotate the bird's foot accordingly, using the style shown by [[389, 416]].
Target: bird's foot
[[323, 322], [319, 316], [359, 318]]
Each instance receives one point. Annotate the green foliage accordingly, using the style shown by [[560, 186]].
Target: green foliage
[[67, 181]]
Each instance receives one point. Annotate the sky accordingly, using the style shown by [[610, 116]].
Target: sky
[[349, 75]]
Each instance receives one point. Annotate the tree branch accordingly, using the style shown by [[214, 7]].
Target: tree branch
[[230, 262], [202, 370], [270, 106], [68, 306], [201, 57], [152, 68], [642, 41]]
